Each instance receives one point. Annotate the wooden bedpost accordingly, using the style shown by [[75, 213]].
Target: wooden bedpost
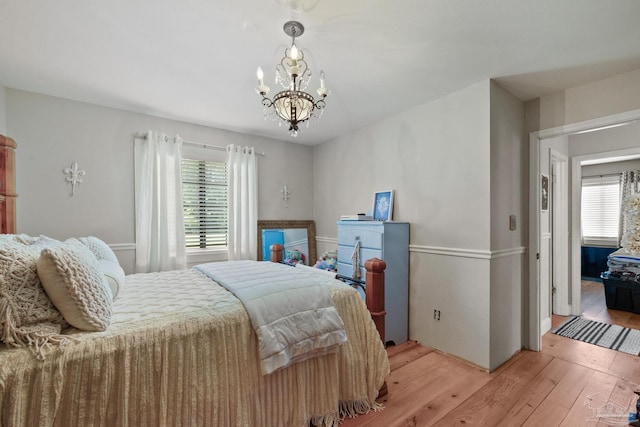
[[7, 185], [374, 292], [276, 252]]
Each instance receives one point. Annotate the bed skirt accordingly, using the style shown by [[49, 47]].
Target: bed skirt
[[192, 367]]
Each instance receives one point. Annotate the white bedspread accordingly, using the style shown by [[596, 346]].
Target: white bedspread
[[181, 351], [290, 309]]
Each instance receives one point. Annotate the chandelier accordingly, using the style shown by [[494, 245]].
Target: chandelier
[[293, 105]]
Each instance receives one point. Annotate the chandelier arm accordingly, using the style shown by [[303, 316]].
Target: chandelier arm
[[267, 102]]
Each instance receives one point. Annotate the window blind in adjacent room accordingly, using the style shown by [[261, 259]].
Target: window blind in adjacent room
[[600, 214]]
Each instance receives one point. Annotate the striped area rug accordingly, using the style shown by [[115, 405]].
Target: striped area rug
[[610, 336]]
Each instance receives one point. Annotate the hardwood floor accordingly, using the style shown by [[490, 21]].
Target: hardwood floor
[[563, 385]]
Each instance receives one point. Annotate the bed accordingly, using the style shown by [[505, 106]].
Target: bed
[[178, 349]]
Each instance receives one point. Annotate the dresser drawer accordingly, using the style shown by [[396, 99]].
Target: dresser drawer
[[345, 252], [370, 236]]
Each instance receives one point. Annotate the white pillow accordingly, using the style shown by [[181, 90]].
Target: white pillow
[[73, 279], [114, 274], [100, 249]]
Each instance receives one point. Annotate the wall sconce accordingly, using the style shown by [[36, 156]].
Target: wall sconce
[[286, 195], [74, 176]]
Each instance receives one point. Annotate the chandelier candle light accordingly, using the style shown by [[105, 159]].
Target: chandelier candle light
[[293, 105]]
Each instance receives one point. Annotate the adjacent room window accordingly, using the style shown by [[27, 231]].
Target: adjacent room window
[[600, 210], [204, 192]]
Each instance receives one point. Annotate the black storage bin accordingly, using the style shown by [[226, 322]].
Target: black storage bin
[[622, 294]]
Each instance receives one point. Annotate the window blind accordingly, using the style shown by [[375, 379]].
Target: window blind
[[204, 192], [600, 209]]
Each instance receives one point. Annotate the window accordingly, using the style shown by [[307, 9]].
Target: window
[[600, 210], [204, 192]]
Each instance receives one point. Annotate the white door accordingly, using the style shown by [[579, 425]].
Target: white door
[[553, 220]]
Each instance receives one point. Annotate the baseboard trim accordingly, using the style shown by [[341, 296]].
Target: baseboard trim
[[545, 326]]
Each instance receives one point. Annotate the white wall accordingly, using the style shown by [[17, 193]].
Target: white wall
[[437, 159], [610, 168], [606, 140], [507, 247], [456, 165], [52, 133], [3, 111], [613, 95]]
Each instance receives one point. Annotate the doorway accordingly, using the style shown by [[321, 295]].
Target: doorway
[[602, 174], [540, 223]]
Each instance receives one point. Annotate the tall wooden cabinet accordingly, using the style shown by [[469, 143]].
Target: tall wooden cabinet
[[7, 185], [388, 241]]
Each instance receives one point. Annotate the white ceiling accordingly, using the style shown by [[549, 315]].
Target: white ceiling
[[195, 60]]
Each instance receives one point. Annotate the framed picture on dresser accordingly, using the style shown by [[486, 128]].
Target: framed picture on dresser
[[383, 205]]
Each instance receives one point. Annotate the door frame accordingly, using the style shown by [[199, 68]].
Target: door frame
[[535, 337], [560, 233]]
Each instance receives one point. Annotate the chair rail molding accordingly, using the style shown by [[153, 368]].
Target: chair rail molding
[[468, 253], [122, 247]]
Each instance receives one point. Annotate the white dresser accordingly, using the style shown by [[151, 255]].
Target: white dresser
[[388, 241]]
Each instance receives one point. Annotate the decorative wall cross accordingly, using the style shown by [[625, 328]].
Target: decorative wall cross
[[74, 176], [286, 195]]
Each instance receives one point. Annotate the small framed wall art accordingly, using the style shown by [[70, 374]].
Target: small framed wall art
[[544, 193], [383, 205]]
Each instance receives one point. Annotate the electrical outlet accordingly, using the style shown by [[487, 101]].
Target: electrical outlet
[[436, 314]]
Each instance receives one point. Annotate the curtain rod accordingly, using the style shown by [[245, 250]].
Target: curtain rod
[[213, 147], [601, 175], [143, 135]]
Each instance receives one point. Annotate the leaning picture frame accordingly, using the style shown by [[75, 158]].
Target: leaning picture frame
[[383, 205]]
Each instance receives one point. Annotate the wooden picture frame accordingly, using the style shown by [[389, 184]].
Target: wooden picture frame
[[309, 225], [383, 205]]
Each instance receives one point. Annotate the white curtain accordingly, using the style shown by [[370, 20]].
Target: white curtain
[[160, 240], [629, 184], [242, 200]]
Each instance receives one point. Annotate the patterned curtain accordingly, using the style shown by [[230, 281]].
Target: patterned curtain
[[629, 184]]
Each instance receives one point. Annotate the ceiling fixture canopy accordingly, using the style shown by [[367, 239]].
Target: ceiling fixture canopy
[[293, 105]]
